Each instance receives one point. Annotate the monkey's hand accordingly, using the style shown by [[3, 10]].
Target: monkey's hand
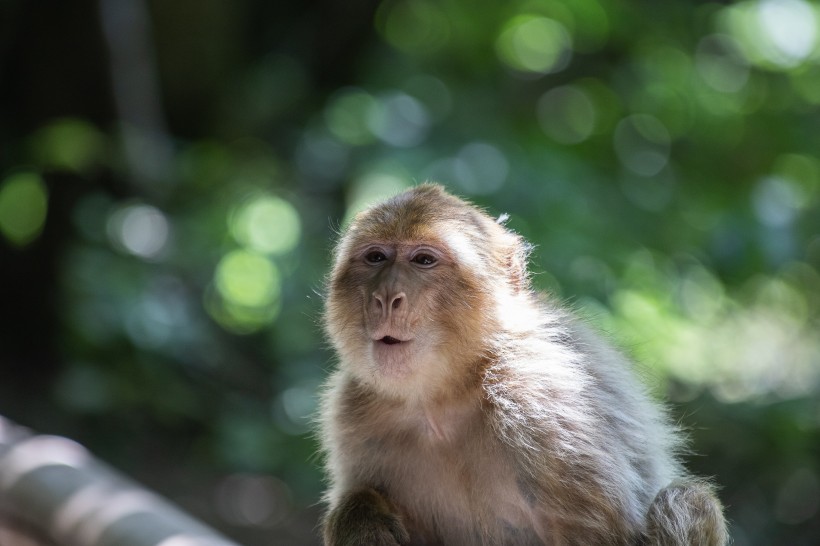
[[364, 517]]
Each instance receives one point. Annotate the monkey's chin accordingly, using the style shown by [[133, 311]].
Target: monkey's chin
[[393, 358]]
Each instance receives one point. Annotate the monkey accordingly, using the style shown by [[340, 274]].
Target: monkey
[[468, 409]]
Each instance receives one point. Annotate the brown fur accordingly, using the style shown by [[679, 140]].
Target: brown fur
[[499, 419]]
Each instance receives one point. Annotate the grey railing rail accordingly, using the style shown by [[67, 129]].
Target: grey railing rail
[[56, 486]]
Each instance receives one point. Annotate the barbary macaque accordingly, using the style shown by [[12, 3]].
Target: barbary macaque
[[468, 410]]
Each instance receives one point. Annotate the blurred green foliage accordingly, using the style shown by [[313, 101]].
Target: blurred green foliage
[[172, 175]]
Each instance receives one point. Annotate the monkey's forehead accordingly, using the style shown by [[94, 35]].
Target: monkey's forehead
[[405, 232], [419, 219], [409, 229]]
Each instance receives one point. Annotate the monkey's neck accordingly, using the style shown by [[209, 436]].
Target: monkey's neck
[[441, 419], [447, 419], [437, 426]]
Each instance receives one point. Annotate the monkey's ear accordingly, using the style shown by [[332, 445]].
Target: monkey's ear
[[515, 262]]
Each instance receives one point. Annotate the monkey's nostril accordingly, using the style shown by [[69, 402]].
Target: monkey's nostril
[[397, 301]]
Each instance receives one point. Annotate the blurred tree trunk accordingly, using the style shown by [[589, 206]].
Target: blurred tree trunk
[[52, 65]]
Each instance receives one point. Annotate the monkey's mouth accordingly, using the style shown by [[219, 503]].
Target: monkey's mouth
[[392, 355], [389, 341]]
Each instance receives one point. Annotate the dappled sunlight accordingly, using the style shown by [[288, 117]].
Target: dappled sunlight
[[756, 344]]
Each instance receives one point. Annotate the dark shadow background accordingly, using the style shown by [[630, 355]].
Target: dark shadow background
[[171, 174]]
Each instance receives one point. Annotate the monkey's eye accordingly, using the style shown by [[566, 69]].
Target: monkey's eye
[[374, 257], [424, 260]]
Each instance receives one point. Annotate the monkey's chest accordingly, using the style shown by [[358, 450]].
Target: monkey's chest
[[459, 491]]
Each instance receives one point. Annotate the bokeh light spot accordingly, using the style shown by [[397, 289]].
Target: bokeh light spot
[[777, 200], [775, 34], [478, 168], [720, 64], [535, 44], [141, 230], [68, 144], [23, 207], [266, 224], [487, 168], [653, 193], [371, 188], [791, 28], [413, 26], [246, 294], [566, 114], [804, 171], [642, 143], [248, 279], [346, 116], [399, 120], [299, 405]]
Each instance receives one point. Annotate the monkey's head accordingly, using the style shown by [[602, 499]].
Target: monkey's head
[[418, 285]]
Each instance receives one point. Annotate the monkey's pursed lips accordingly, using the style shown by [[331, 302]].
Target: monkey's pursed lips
[[390, 340]]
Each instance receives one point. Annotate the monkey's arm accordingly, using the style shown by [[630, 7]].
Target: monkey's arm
[[364, 517]]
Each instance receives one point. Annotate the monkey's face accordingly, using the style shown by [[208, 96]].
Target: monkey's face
[[407, 301], [391, 308]]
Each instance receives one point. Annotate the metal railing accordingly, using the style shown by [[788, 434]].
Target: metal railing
[[54, 485]]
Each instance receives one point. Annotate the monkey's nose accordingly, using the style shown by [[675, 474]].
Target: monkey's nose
[[394, 301]]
